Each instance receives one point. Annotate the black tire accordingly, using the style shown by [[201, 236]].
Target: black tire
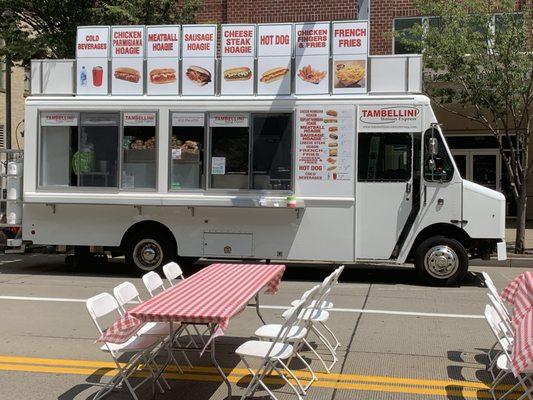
[[441, 261], [140, 243]]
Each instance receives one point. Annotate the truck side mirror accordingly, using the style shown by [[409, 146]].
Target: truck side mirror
[[433, 146]]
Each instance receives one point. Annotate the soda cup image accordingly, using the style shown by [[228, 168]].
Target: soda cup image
[[98, 74]]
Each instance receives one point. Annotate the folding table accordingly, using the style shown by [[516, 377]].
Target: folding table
[[210, 297]]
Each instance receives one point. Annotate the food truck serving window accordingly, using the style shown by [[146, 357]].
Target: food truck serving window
[[139, 150], [187, 150], [251, 151], [79, 154]]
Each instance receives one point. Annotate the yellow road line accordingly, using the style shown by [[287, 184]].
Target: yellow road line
[[209, 374]]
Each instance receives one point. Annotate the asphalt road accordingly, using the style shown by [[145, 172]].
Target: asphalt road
[[400, 340]]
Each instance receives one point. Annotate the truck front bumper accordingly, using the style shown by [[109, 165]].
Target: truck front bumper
[[501, 249]]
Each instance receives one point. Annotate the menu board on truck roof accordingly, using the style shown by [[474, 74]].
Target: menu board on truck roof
[[199, 47], [237, 65], [350, 56], [127, 55], [162, 63], [92, 52], [312, 58], [274, 59]]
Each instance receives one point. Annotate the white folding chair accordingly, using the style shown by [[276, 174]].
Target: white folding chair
[[273, 354], [142, 349], [153, 283], [494, 291], [504, 361], [296, 335], [172, 272], [126, 293], [328, 305]]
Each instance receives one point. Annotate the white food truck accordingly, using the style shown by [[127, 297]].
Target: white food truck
[[339, 178]]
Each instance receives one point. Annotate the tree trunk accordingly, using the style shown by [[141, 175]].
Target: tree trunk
[[521, 219]]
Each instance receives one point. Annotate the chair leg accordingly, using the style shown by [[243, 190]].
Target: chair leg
[[308, 367], [326, 343], [286, 380], [176, 340], [286, 368], [337, 343], [328, 370]]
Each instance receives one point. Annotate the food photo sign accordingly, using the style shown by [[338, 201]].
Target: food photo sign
[[92, 52], [162, 59], [274, 55], [350, 53], [237, 47], [312, 58], [199, 47], [127, 60]]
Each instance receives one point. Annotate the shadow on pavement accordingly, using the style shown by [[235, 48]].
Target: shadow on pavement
[[311, 272]]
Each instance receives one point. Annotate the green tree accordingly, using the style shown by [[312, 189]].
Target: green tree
[[479, 65], [47, 28]]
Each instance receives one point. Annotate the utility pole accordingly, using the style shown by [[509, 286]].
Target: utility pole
[[8, 102]]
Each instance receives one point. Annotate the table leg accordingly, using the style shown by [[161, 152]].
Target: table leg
[[257, 309], [216, 364], [169, 357]]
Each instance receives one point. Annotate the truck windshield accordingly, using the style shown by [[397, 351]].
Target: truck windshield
[[441, 169]]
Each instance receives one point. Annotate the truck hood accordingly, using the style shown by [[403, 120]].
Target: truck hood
[[484, 209]]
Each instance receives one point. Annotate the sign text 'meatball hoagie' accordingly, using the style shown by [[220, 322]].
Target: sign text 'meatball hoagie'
[[162, 65], [238, 53]]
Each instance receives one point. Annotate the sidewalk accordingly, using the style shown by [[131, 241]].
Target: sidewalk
[[510, 236]]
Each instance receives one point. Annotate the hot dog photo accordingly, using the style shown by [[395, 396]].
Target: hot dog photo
[[274, 75]]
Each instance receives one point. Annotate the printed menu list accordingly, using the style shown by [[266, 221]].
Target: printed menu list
[[325, 144]]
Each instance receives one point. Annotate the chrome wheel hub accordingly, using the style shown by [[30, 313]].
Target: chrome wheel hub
[[441, 262], [148, 254]]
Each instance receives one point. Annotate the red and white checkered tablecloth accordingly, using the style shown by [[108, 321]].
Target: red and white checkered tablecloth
[[519, 293], [121, 330], [213, 295]]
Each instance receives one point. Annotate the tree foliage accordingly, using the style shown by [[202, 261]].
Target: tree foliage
[[47, 28], [478, 65]]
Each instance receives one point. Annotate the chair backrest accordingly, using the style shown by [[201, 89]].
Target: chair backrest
[[338, 273], [125, 293], [153, 282], [502, 312], [172, 271], [490, 285], [295, 316], [99, 306], [496, 325], [325, 289]]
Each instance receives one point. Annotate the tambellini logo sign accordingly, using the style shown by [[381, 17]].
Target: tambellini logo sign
[[407, 118], [388, 115]]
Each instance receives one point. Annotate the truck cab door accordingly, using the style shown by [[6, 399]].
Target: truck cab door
[[384, 190], [440, 189]]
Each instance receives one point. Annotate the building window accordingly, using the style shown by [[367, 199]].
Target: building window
[[496, 25], [384, 157]]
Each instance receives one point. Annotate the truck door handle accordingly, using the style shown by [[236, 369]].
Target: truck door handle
[[408, 188], [425, 194]]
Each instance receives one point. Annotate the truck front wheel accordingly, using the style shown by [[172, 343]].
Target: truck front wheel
[[441, 261], [149, 251]]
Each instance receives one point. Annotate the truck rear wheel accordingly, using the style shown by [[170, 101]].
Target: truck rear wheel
[[149, 251], [441, 261]]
